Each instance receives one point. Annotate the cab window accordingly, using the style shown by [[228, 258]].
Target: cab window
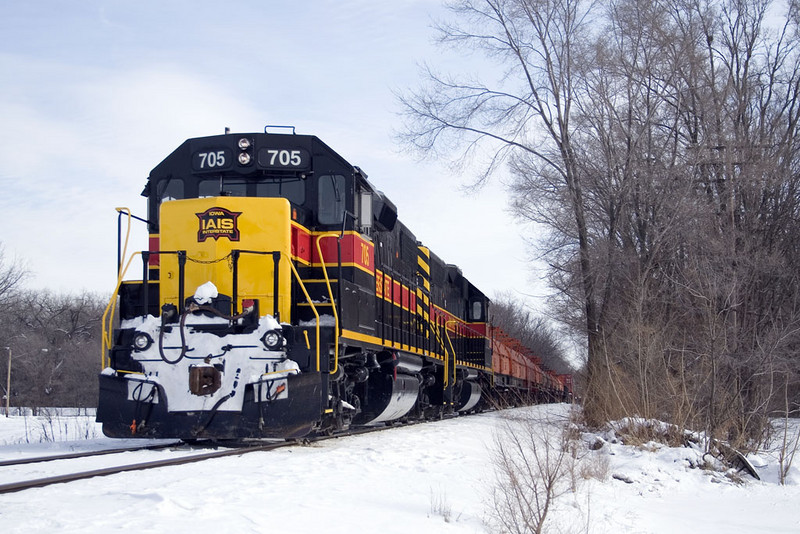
[[477, 311], [170, 189], [331, 199]]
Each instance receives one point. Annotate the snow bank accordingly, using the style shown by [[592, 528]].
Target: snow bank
[[429, 478]]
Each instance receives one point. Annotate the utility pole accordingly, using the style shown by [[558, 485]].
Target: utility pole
[[8, 381]]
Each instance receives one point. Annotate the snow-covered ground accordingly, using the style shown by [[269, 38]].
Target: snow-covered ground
[[416, 479]]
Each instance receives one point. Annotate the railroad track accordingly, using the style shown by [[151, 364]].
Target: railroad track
[[84, 454], [141, 466]]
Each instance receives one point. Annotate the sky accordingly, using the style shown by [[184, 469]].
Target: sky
[[94, 94]]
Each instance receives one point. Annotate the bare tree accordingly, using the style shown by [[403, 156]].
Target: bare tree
[[658, 140], [12, 274], [55, 341], [526, 115], [534, 466]]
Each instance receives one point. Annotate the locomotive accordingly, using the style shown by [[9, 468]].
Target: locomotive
[[281, 296]]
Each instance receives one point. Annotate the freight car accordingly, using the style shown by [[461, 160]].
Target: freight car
[[280, 295]]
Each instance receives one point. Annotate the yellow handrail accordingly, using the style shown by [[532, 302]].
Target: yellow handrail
[[491, 351], [110, 307], [450, 342], [444, 350], [127, 232], [333, 303], [106, 336], [308, 298]]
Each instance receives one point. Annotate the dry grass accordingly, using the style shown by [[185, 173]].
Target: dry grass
[[643, 433], [595, 466]]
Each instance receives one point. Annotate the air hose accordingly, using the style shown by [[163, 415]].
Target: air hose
[[192, 307]]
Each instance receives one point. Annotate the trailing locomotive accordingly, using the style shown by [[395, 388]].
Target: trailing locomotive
[[280, 295]]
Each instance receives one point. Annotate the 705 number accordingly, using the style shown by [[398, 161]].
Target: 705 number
[[284, 158], [209, 160]]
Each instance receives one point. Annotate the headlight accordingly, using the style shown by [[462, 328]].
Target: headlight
[[273, 340], [244, 158], [244, 143], [142, 341]]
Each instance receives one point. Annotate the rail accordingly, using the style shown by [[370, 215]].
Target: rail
[[450, 342], [276, 258], [334, 303], [86, 454], [436, 331], [47, 481], [71, 477], [311, 303], [108, 314]]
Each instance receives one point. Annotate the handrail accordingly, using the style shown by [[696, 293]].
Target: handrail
[[444, 349], [276, 258], [491, 345], [105, 335], [450, 342], [308, 298], [121, 254], [110, 307], [330, 295]]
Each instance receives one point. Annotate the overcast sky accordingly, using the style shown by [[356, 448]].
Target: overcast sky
[[95, 93]]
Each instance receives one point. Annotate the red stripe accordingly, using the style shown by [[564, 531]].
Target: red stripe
[[301, 244], [354, 248], [155, 259]]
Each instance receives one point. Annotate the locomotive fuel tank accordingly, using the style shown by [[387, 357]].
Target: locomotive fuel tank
[[393, 393]]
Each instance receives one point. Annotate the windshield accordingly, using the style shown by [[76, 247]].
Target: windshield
[[290, 188], [293, 189], [232, 187]]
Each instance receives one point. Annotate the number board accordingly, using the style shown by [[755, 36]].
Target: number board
[[284, 158], [213, 159]]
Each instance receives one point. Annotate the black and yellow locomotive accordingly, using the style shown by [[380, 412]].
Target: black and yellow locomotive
[[280, 295]]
